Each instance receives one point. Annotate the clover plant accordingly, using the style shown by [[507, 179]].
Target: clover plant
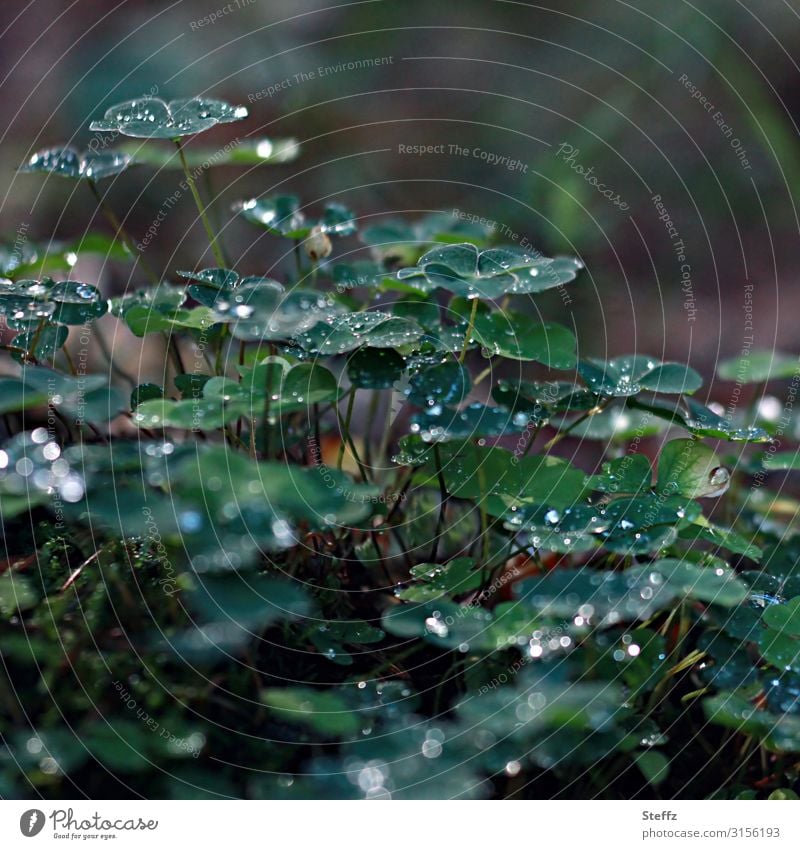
[[381, 527]]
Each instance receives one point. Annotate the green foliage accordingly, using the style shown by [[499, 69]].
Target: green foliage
[[341, 504]]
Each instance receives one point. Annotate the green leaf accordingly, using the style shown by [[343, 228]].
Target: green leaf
[[142, 320], [602, 599], [281, 216], [519, 337], [233, 609], [77, 303], [778, 732], [783, 794], [441, 424], [782, 461], [780, 648], [617, 423], [628, 474], [16, 593], [784, 618], [221, 401], [322, 711], [629, 375], [702, 529], [249, 151], [146, 392], [153, 118], [42, 343], [68, 162], [449, 626], [654, 766], [759, 367], [466, 271], [444, 383], [377, 368], [498, 479], [346, 333], [265, 311], [688, 467], [15, 395], [433, 581], [540, 400], [710, 584], [700, 420], [630, 525]]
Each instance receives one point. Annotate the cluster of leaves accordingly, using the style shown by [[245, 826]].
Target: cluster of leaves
[[340, 556]]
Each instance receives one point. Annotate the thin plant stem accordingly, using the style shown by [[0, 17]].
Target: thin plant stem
[[437, 459], [106, 352], [587, 415], [482, 376], [468, 334], [212, 239], [120, 232], [371, 414], [346, 429], [70, 363], [267, 425], [298, 259], [213, 218]]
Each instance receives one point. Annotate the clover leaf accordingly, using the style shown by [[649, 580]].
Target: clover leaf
[[700, 420], [440, 423], [759, 367], [629, 474], [629, 375], [688, 467], [465, 270], [373, 329], [784, 618], [32, 260], [281, 216], [541, 399], [519, 337], [379, 368], [71, 163], [154, 118], [397, 243]]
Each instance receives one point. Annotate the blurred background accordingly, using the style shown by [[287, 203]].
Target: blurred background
[[656, 141]]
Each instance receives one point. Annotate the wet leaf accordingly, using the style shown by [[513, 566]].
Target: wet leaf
[[281, 216], [441, 424], [466, 271], [715, 585], [151, 117], [778, 732], [601, 599], [518, 337], [784, 618], [688, 467], [629, 375], [68, 162], [373, 329], [378, 368], [445, 383], [629, 474], [700, 420]]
